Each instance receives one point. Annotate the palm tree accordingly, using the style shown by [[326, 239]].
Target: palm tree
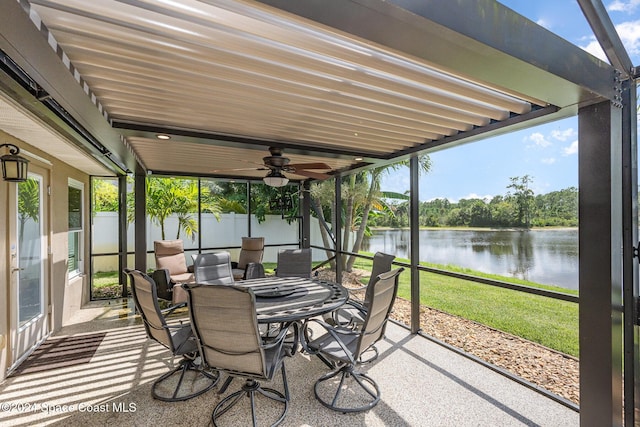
[[28, 203], [374, 199], [360, 194], [171, 196], [322, 196]]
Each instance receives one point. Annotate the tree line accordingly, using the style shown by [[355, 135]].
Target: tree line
[[362, 201], [519, 207], [364, 205], [183, 197]]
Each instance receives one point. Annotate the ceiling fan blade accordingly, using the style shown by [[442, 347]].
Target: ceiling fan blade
[[309, 174], [298, 166], [239, 169]]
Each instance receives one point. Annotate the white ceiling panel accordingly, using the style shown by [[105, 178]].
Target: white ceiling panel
[[240, 69]]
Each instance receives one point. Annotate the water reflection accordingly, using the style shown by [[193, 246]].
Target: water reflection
[[543, 256]]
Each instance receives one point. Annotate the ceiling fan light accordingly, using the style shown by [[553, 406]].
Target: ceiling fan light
[[275, 179]]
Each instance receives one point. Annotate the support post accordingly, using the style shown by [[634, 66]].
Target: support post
[[337, 227], [306, 214], [630, 266], [199, 215], [122, 232], [600, 246], [249, 208], [414, 227], [141, 219]]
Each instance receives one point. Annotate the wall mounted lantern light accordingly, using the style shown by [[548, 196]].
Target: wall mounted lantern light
[[14, 167]]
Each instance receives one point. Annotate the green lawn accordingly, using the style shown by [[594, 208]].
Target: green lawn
[[550, 322], [105, 285]]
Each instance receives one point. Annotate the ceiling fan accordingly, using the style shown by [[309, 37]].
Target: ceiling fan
[[276, 164]]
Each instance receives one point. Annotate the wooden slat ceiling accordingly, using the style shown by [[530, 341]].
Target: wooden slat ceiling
[[241, 69]]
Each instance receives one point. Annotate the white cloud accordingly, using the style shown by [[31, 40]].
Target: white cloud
[[571, 149], [594, 49], [630, 35], [544, 23], [548, 160], [486, 197], [628, 6], [538, 140], [450, 199], [563, 135]]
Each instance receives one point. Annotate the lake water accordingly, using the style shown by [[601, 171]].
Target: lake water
[[543, 256]]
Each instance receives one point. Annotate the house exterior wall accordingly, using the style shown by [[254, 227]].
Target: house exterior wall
[[65, 296]]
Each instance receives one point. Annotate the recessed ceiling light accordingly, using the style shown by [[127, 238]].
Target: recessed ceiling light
[[162, 136]]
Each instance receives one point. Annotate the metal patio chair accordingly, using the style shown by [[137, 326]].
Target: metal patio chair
[[251, 253], [225, 324], [171, 272], [341, 347], [178, 339], [294, 263], [213, 268], [353, 313]]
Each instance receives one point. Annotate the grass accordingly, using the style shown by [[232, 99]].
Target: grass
[[105, 285], [550, 322]]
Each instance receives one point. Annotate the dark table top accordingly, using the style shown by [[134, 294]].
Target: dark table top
[[285, 299]]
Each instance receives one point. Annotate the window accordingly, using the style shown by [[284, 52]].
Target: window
[[76, 234]]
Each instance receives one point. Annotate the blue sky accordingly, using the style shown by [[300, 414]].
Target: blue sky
[[548, 153]]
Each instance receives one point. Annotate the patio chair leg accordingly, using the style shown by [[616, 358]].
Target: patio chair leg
[[225, 385], [249, 389], [184, 366], [365, 382]]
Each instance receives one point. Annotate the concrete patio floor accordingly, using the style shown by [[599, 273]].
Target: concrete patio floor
[[105, 366]]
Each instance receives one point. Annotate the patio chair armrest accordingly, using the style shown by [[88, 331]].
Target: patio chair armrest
[[335, 331], [279, 340], [162, 274], [357, 305], [353, 294], [347, 315], [359, 288], [180, 326], [331, 329], [164, 284]]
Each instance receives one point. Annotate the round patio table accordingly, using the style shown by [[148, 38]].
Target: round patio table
[[293, 299]]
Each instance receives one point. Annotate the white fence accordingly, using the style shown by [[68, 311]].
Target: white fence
[[225, 233]]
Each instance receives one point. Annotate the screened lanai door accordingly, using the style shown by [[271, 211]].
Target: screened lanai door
[[29, 265]]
